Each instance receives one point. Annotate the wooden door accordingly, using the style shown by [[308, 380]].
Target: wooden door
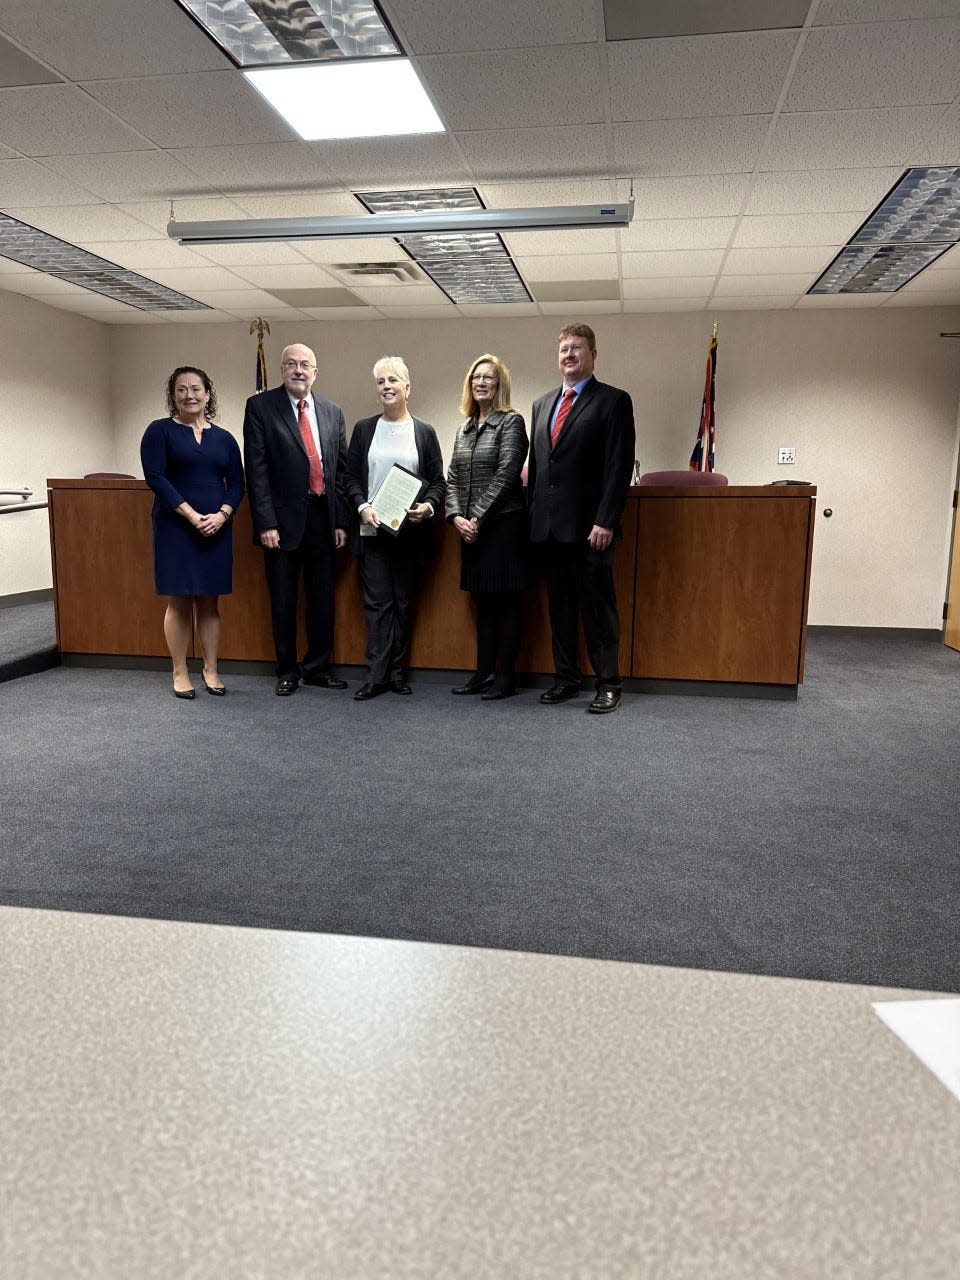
[[951, 626]]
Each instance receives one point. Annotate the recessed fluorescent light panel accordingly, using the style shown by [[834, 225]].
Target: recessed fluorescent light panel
[[912, 226], [375, 99], [258, 33], [34, 248], [470, 267]]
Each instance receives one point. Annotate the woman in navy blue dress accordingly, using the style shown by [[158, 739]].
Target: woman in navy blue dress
[[195, 472]]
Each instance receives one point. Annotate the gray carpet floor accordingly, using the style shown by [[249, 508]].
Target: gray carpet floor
[[28, 639], [811, 839]]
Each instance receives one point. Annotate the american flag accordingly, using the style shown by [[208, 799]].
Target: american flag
[[707, 435]]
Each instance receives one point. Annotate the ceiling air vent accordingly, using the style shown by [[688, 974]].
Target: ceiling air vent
[[403, 272]]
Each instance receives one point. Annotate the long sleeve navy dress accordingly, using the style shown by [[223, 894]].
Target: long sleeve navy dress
[[207, 475]]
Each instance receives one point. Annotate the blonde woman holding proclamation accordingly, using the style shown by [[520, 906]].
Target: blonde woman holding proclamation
[[485, 504], [391, 565]]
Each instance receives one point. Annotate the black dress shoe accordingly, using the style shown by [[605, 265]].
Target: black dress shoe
[[325, 681], [400, 686], [604, 701], [499, 689], [185, 693], [476, 684], [218, 690], [370, 690], [285, 686], [559, 692]]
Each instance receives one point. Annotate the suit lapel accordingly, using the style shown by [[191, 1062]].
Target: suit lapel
[[288, 417], [582, 400]]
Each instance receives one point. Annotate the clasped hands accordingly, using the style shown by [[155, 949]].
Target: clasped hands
[[469, 530], [211, 523]]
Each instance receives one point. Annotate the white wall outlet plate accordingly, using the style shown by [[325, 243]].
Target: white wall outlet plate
[[786, 457]]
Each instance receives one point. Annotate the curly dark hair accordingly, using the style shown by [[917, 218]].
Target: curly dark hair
[[210, 412]]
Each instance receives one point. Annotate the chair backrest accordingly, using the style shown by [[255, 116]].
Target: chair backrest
[[108, 475], [683, 477]]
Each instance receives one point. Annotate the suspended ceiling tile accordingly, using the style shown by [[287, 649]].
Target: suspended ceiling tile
[[272, 310], [79, 224], [669, 287], [156, 213], [535, 153], [305, 275], [784, 258], [634, 306], [25, 182], [110, 37], [58, 120], [185, 279], [437, 26], [219, 108], [530, 244], [949, 261], [330, 252], [798, 229], [838, 11], [694, 262], [935, 282], [762, 302], [821, 191], [445, 313], [943, 144], [268, 254], [587, 266], [145, 255], [951, 298], [416, 161], [574, 310], [400, 295], [574, 290], [527, 195], [677, 233], [235, 300], [841, 301], [128, 175], [342, 313], [18, 68], [627, 20], [850, 139], [728, 144], [700, 196], [327, 298], [502, 309], [899, 64], [264, 167], [136, 317], [698, 76], [38, 283], [560, 83], [307, 204], [763, 285], [201, 317]]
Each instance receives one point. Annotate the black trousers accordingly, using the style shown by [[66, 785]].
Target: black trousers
[[499, 629], [390, 575], [580, 588], [313, 559]]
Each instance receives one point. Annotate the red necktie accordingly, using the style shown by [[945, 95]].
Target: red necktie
[[566, 400], [316, 466]]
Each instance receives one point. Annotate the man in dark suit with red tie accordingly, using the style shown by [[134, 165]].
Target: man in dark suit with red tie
[[581, 461], [295, 449]]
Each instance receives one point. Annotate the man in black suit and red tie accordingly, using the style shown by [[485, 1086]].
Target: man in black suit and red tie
[[581, 461], [295, 449]]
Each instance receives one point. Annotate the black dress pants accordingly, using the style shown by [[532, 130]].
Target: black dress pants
[[313, 559], [499, 630], [390, 575], [580, 588]]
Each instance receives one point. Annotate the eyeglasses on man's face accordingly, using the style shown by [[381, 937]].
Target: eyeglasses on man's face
[[298, 364]]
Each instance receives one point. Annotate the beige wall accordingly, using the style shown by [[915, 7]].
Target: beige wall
[[55, 420], [867, 398]]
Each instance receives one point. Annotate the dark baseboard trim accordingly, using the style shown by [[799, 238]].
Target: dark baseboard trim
[[26, 597], [31, 665], [879, 633], [714, 689]]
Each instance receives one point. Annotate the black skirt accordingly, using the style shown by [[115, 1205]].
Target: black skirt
[[497, 561]]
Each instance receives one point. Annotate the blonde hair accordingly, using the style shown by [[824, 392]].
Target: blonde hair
[[396, 364], [501, 401]]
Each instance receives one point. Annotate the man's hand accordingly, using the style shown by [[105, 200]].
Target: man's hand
[[600, 538], [270, 539], [339, 538]]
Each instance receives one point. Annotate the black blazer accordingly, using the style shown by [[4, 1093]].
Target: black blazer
[[585, 479], [429, 468], [278, 470]]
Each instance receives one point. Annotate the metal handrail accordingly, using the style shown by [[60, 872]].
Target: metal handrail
[[6, 508], [16, 493]]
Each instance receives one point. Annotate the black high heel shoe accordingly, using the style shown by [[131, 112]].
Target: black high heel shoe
[[217, 690], [185, 693]]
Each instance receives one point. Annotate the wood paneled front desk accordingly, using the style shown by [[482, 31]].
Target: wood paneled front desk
[[712, 585]]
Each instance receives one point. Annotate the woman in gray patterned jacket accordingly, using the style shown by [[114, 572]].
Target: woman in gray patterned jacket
[[486, 505]]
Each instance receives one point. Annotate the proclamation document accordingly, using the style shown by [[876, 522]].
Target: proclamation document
[[400, 489]]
